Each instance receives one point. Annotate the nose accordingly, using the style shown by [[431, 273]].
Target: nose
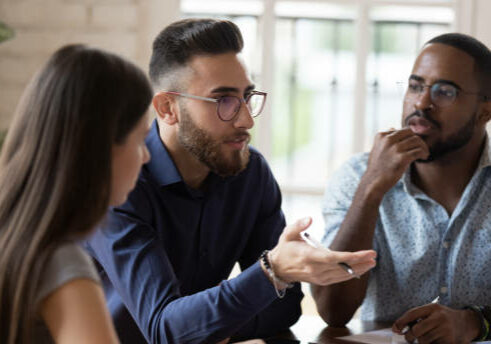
[[424, 100], [244, 119]]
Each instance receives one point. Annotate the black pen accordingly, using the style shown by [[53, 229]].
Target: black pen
[[314, 243]]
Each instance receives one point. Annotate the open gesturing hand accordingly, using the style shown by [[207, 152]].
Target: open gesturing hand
[[294, 260]]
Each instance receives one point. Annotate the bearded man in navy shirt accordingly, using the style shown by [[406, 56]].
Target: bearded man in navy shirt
[[204, 202]]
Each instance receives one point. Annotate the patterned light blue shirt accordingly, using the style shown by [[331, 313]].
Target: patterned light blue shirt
[[422, 252]]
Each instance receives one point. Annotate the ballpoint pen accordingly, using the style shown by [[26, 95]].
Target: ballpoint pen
[[314, 243], [414, 322]]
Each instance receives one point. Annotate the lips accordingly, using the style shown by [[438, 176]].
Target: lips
[[238, 142], [420, 125]]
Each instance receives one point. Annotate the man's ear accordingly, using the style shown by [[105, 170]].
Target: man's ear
[[166, 107], [485, 112]]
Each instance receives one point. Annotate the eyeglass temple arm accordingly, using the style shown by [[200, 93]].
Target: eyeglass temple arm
[[186, 95]]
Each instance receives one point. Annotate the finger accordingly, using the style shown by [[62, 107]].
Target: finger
[[334, 273], [426, 330], [399, 135], [415, 154], [409, 336], [388, 131], [353, 258], [362, 268], [292, 232], [413, 315], [333, 276], [411, 143], [425, 325]]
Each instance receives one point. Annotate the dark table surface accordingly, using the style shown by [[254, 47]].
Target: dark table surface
[[312, 329]]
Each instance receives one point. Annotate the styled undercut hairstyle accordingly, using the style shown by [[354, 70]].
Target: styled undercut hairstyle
[[179, 42], [477, 50]]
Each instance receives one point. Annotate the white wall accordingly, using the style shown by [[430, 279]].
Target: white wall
[[126, 27]]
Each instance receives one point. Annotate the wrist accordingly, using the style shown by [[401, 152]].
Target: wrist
[[273, 260], [372, 192], [279, 285], [477, 324]]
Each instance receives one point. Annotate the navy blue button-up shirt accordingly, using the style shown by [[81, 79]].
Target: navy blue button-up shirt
[[164, 256]]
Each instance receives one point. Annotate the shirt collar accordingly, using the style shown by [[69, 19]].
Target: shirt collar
[[484, 161], [161, 165]]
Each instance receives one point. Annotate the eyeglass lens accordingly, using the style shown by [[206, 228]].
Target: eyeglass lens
[[229, 106], [442, 94]]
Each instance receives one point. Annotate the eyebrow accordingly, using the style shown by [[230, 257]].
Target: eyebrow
[[225, 89], [441, 81]]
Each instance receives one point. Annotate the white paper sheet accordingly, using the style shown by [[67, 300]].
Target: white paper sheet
[[384, 336]]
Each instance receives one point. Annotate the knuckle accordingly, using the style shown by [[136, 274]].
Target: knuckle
[[327, 280], [309, 270], [398, 163], [416, 152]]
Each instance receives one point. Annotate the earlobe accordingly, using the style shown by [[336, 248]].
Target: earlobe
[[165, 108], [485, 116], [485, 113]]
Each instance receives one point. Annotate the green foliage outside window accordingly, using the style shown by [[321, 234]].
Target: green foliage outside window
[[286, 141], [3, 133], [5, 32]]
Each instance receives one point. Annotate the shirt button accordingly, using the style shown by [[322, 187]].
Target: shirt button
[[446, 244], [443, 290]]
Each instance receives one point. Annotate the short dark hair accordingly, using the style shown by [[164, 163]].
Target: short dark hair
[[179, 42], [477, 50]]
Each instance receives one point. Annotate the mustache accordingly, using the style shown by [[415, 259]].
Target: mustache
[[422, 114], [241, 135]]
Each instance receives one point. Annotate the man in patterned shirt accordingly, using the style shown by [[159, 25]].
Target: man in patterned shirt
[[420, 198]]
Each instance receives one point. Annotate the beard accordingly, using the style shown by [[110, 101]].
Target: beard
[[453, 143], [208, 150]]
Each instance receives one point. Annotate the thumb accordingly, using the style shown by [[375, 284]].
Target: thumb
[[292, 232]]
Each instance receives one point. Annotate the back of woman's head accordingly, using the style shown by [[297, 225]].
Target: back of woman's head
[[55, 166]]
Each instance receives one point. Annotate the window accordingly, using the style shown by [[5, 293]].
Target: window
[[329, 89]]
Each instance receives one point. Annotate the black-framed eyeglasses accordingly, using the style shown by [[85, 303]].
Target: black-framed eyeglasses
[[228, 106], [442, 94]]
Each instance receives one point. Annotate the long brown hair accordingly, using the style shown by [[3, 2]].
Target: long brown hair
[[55, 167]]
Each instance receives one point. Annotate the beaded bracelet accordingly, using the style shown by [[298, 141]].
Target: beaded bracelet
[[280, 286]]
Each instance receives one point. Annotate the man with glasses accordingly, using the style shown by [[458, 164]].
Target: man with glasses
[[204, 202], [421, 199]]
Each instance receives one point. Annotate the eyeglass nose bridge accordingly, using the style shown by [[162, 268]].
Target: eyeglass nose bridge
[[421, 94]]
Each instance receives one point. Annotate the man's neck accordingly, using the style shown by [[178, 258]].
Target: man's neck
[[192, 171], [445, 179]]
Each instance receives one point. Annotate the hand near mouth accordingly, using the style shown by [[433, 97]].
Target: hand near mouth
[[392, 153]]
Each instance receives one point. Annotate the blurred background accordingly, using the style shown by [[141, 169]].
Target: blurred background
[[330, 67]]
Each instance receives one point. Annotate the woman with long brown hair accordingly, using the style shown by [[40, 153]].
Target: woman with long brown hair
[[75, 147]]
